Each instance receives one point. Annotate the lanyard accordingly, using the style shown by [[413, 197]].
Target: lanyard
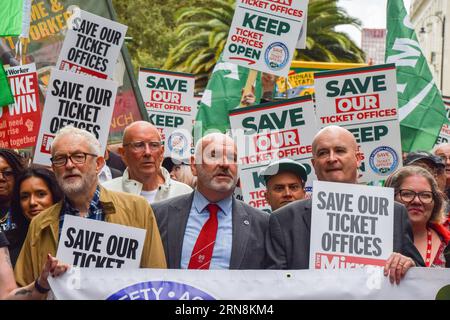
[[428, 253]]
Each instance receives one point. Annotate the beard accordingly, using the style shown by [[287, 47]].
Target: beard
[[81, 184], [209, 180]]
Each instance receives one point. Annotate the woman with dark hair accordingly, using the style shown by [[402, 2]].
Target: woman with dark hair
[[35, 190], [11, 165], [417, 189]]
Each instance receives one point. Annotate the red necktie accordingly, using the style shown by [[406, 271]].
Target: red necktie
[[204, 246]]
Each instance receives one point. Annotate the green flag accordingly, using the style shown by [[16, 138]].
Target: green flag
[[6, 96], [222, 94], [421, 109], [11, 18]]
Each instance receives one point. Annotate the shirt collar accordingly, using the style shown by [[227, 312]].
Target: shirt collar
[[200, 203]]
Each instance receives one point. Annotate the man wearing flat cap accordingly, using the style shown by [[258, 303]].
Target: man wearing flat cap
[[285, 182]]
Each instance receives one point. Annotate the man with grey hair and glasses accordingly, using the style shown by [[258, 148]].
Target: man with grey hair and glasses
[[76, 161], [143, 154]]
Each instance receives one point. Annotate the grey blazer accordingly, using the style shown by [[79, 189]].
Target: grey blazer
[[288, 239], [249, 228]]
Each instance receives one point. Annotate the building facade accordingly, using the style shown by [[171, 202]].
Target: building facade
[[373, 43], [430, 19]]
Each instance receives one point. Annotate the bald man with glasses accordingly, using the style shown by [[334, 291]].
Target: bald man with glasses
[[143, 152]]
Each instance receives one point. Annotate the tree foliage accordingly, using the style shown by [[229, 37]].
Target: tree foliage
[[202, 33]]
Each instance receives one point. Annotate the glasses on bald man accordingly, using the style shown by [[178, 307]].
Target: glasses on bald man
[[140, 146]]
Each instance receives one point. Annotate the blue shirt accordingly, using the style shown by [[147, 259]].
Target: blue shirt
[[198, 216], [95, 211]]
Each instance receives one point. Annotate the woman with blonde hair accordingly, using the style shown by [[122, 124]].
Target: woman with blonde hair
[[417, 189]]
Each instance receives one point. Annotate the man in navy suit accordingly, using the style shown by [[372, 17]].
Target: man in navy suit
[[335, 159], [239, 230]]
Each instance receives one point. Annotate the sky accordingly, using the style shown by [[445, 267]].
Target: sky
[[372, 14]]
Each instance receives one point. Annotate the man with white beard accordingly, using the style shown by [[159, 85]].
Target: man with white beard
[[76, 161], [209, 228]]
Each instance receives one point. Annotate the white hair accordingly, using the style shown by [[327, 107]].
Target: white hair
[[93, 143]]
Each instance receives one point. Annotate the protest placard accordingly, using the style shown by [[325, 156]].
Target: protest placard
[[74, 99], [88, 243], [301, 43], [169, 100], [300, 80], [48, 28], [297, 85], [264, 34], [351, 225], [270, 132], [249, 286], [92, 45], [19, 122], [364, 101]]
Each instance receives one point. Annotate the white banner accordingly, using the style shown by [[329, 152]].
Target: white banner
[[88, 243], [264, 34], [157, 284], [20, 121], [364, 101], [351, 225], [268, 133], [92, 45], [74, 99], [169, 100]]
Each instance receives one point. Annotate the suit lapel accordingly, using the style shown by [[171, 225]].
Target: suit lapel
[[241, 232], [177, 219]]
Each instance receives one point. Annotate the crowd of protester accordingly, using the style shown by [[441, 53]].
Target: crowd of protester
[[185, 205]]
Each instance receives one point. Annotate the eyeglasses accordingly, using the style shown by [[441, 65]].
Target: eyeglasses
[[408, 196], [76, 158], [140, 146], [7, 174]]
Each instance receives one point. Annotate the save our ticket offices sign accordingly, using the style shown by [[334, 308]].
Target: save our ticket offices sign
[[264, 34], [74, 99], [269, 132], [92, 45], [88, 243], [367, 283], [19, 122], [169, 100], [351, 225], [364, 101]]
